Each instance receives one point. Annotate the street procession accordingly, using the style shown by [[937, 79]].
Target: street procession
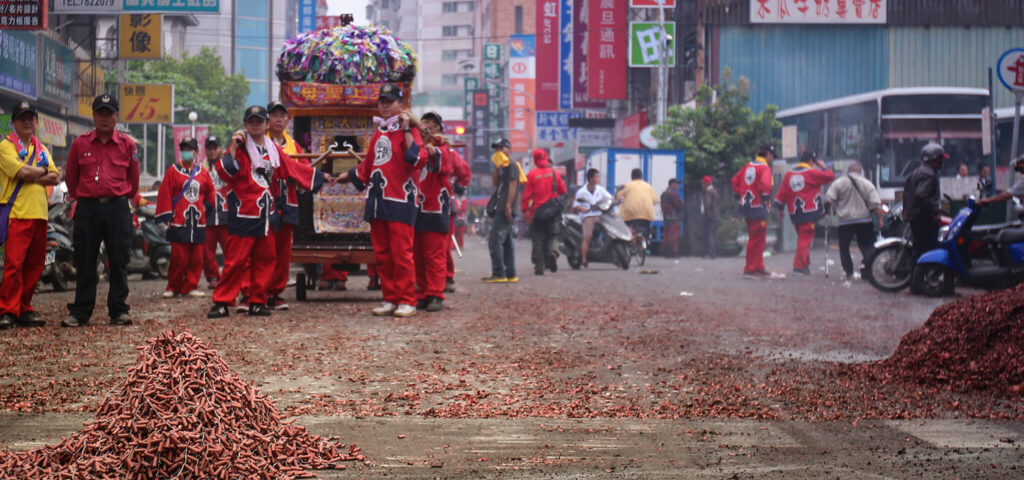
[[519, 239]]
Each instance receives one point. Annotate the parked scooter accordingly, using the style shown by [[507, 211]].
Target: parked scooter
[[994, 259], [58, 269], [150, 252], [890, 265], [609, 244]]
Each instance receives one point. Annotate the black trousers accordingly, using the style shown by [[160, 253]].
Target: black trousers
[[926, 236], [111, 224], [545, 240], [865, 234]]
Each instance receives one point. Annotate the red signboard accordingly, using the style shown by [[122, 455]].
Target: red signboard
[[23, 14], [548, 56], [654, 3], [327, 21], [579, 58], [606, 49], [627, 130]]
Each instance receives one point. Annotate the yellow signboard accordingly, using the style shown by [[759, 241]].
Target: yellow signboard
[[90, 84], [146, 103], [140, 36]]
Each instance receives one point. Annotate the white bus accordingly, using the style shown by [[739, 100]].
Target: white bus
[[885, 130]]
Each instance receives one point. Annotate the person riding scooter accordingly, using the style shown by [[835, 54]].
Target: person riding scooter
[[587, 199], [1016, 191]]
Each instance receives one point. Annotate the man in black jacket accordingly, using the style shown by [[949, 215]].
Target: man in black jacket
[[921, 199]]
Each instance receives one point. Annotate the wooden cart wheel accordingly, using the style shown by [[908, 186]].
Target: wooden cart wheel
[[300, 287]]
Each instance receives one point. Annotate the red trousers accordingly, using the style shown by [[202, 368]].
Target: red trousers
[[249, 260], [24, 259], [186, 267], [214, 236], [282, 259], [393, 247], [670, 242], [450, 259], [757, 231], [805, 235], [330, 274], [432, 249]]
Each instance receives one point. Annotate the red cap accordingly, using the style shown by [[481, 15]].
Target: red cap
[[540, 157], [707, 179]]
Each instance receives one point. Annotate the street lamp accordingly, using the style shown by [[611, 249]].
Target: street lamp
[[192, 117]]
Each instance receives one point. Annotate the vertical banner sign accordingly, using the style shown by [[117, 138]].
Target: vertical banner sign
[[307, 16], [146, 103], [23, 14], [58, 68], [492, 80], [471, 84], [548, 47], [481, 121], [606, 49], [521, 91], [565, 57], [140, 36], [18, 62], [580, 22], [182, 131]]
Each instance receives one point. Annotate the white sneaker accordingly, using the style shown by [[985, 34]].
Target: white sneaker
[[168, 294], [405, 311], [386, 309], [196, 294]]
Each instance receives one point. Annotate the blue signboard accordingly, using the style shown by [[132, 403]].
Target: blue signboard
[[522, 46], [554, 126], [18, 65], [171, 6], [565, 56], [307, 16]]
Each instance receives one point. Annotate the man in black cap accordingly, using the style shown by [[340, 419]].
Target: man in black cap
[[501, 208], [26, 169], [103, 175], [216, 214]]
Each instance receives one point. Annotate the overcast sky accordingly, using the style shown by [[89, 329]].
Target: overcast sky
[[355, 7]]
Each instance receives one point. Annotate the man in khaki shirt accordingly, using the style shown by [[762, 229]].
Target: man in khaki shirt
[[638, 198]]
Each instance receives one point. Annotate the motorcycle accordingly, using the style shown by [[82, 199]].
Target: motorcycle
[[610, 243], [989, 259], [58, 269], [149, 252], [890, 264]]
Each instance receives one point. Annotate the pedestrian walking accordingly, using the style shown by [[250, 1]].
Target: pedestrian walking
[[286, 199], [394, 156], [543, 185], [181, 204], [585, 204], [637, 203], [854, 198], [103, 176], [253, 163], [501, 208], [672, 209], [800, 195], [432, 243], [26, 170], [921, 208], [752, 186], [216, 214]]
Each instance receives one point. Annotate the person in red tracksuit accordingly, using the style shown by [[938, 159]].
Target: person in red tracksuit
[[216, 214], [394, 156], [458, 183], [181, 203], [543, 183], [800, 194], [752, 186], [434, 221], [253, 162]]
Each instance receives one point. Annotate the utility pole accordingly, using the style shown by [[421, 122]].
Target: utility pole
[[662, 66], [699, 71]]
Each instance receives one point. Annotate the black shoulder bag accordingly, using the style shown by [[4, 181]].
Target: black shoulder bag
[[553, 207]]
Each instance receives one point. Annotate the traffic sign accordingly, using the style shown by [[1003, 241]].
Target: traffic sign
[[1011, 69], [146, 103]]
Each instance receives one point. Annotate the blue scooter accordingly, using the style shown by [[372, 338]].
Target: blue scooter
[[998, 261]]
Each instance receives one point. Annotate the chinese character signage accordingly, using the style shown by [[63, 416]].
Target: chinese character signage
[[565, 57], [23, 14], [170, 6], [579, 57], [1010, 69], [52, 131], [481, 121], [58, 68], [492, 51], [471, 84], [817, 11], [95, 7], [140, 36], [553, 127], [18, 62], [548, 47], [606, 49], [146, 103], [521, 91], [645, 44], [307, 16]]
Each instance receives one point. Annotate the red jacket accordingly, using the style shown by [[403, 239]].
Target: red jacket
[[542, 183], [387, 174], [461, 174], [753, 185], [435, 195], [251, 207], [185, 212], [800, 192]]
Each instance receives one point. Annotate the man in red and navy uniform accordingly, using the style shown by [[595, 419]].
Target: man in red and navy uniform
[[252, 164], [286, 197], [752, 186], [394, 156], [433, 223], [800, 194], [216, 214], [181, 203]]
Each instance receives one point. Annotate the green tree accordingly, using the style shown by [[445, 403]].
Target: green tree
[[721, 133]]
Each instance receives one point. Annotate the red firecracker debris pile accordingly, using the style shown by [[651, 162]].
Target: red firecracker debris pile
[[181, 413], [974, 344]]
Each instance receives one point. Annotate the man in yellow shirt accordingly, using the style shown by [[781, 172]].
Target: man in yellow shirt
[[638, 198], [26, 169]]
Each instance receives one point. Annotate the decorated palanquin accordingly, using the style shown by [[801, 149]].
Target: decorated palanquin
[[329, 81]]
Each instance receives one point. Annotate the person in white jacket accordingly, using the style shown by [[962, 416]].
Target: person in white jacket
[[854, 198]]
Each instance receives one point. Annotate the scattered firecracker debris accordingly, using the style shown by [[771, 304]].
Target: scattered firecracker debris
[[181, 413]]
